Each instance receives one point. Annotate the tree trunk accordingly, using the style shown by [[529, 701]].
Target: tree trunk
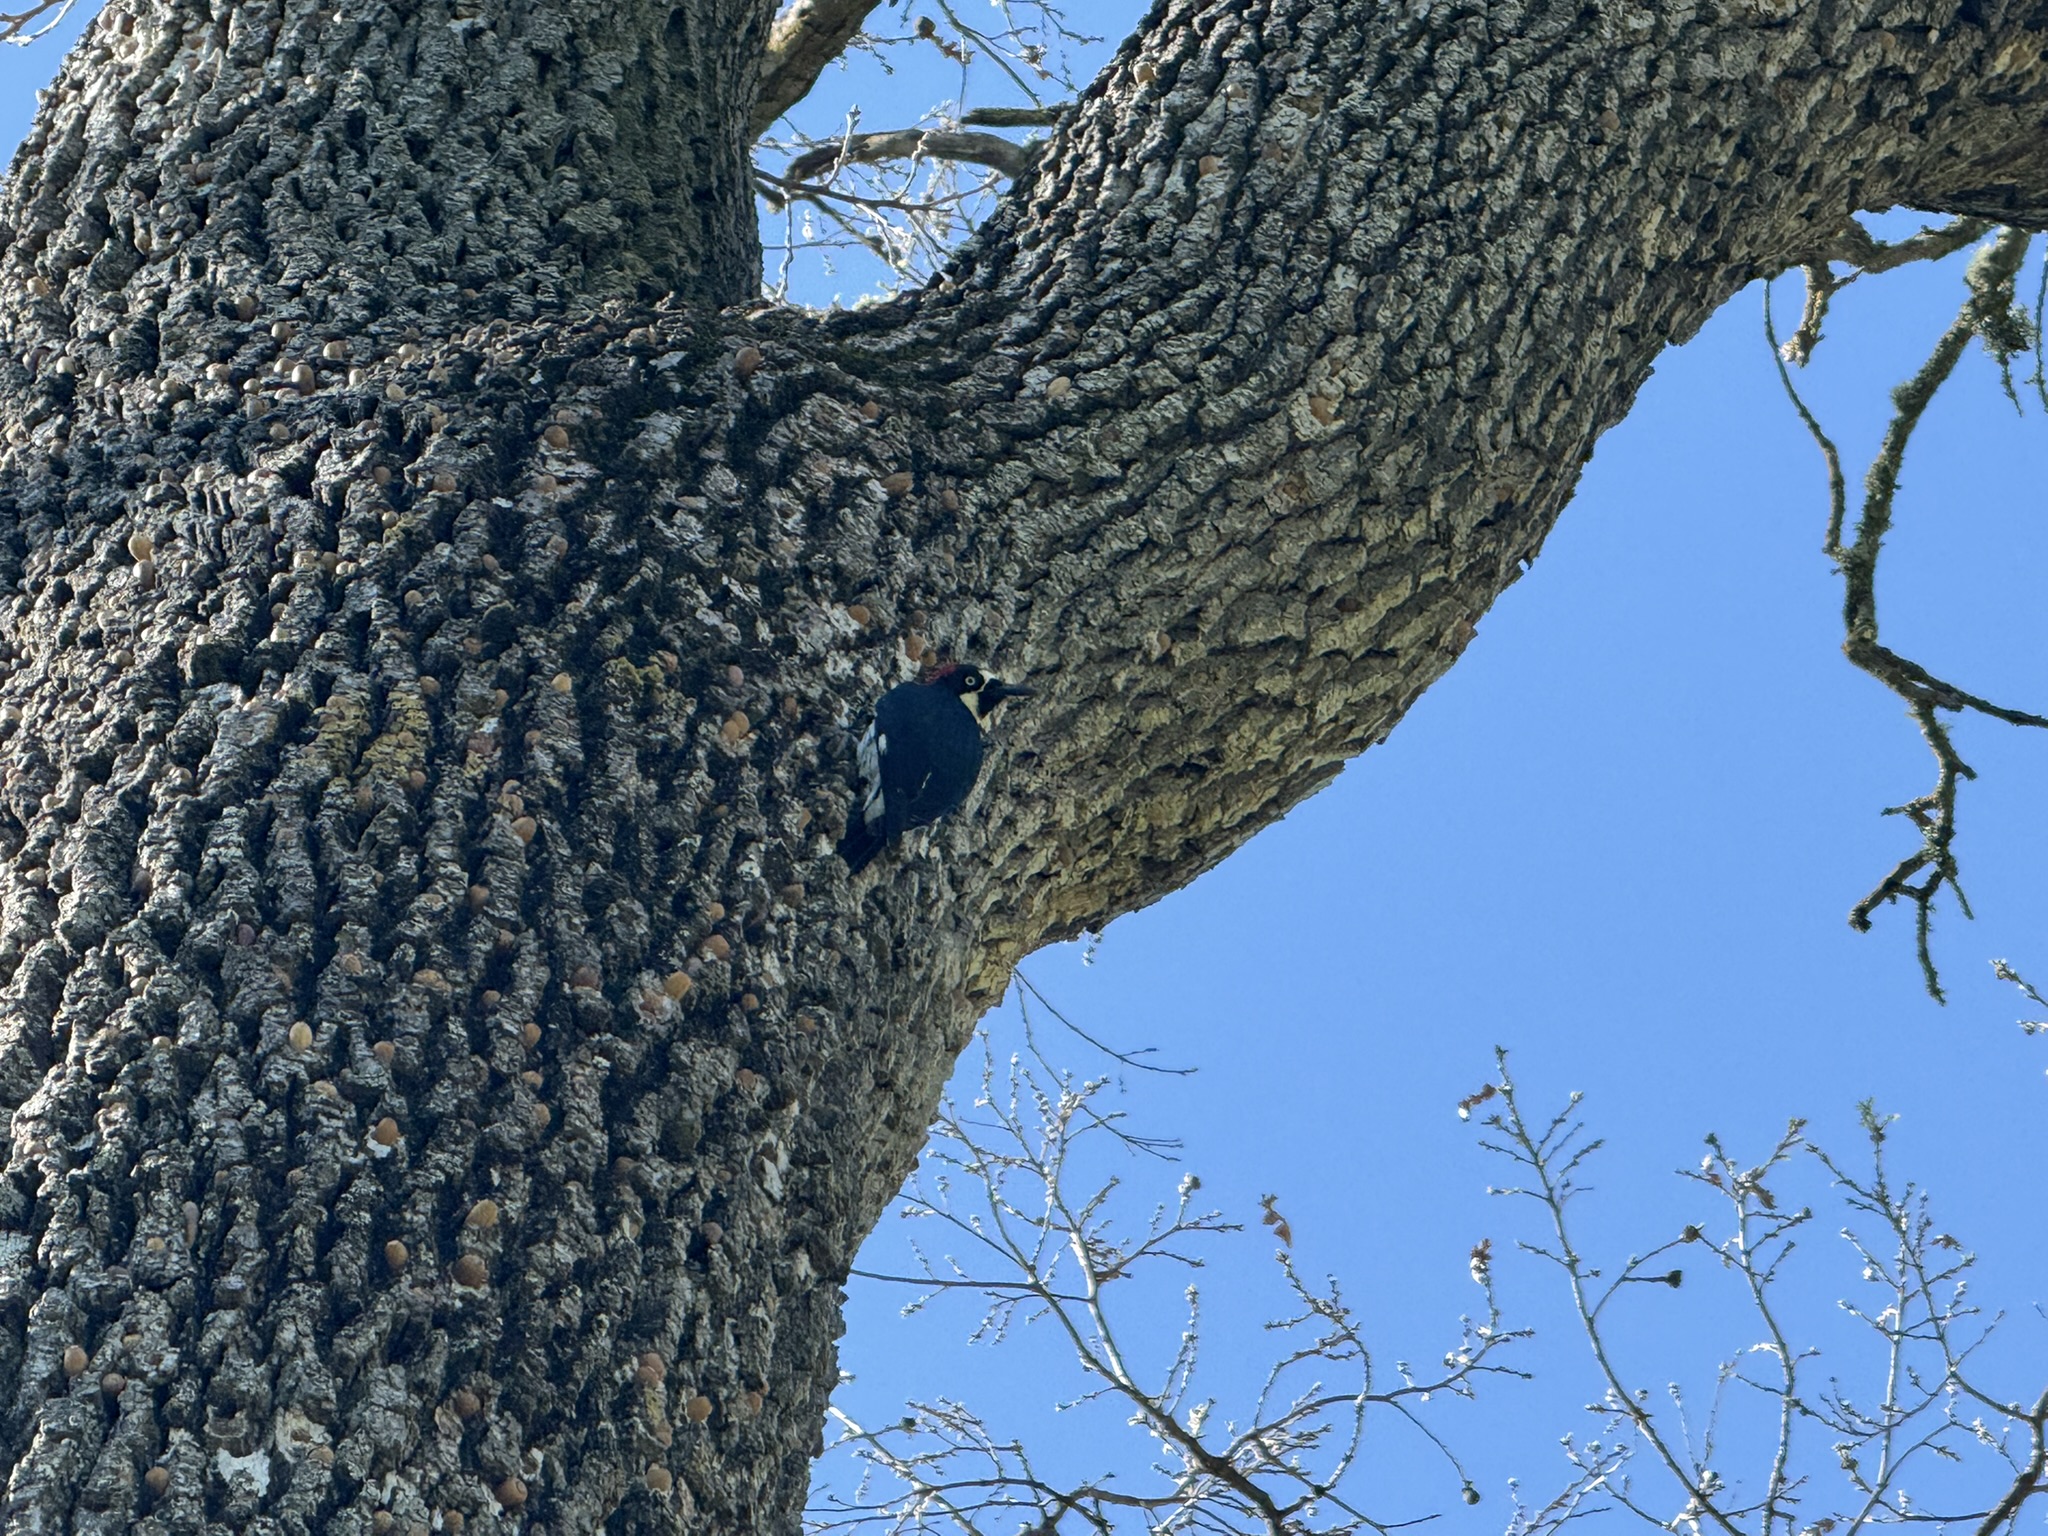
[[449, 1068]]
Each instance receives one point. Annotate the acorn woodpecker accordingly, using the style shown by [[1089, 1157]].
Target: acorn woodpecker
[[921, 755]]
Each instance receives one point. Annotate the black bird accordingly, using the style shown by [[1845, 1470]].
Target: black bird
[[921, 755]]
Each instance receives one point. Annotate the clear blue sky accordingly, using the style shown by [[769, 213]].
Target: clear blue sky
[[1620, 839]]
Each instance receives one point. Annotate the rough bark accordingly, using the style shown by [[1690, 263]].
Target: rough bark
[[448, 1068]]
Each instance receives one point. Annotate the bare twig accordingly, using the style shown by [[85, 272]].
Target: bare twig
[[1038, 1242], [906, 195], [1926, 1405], [1988, 314], [20, 27]]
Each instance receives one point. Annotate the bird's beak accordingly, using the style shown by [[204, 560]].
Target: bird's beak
[[996, 690]]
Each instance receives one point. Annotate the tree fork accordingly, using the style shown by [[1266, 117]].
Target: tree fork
[[448, 1069]]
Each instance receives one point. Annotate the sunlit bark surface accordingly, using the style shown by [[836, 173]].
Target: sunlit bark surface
[[448, 1068]]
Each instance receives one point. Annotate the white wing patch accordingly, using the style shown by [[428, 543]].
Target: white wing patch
[[869, 755]]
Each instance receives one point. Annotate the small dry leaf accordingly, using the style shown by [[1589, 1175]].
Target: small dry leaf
[[1272, 1218]]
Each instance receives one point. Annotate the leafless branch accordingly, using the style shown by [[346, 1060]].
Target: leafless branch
[[1017, 117], [999, 155], [20, 27], [1862, 252], [804, 40], [1041, 1239], [906, 195], [1857, 247], [1988, 314], [1926, 1404]]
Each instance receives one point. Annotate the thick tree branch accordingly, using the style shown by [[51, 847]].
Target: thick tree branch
[[805, 40], [998, 154]]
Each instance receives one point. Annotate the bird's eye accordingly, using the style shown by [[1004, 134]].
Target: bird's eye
[[971, 683]]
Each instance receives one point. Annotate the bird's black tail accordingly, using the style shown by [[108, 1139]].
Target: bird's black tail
[[860, 845]]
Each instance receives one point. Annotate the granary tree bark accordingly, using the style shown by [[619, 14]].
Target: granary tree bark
[[448, 1069]]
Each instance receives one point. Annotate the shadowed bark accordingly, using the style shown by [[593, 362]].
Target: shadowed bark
[[449, 1069]]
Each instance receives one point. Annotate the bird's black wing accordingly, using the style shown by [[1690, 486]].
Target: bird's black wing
[[919, 788]]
